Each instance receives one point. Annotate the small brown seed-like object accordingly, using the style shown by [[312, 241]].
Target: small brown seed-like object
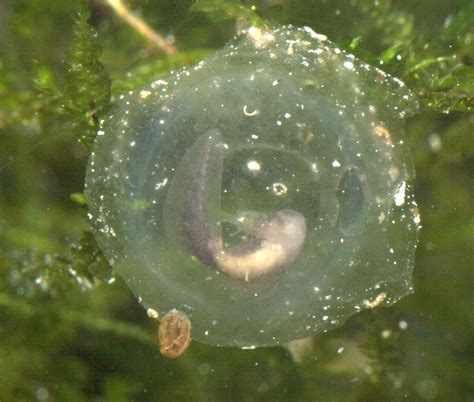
[[174, 334]]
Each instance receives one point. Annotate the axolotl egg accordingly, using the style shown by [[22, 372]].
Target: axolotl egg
[[265, 192]]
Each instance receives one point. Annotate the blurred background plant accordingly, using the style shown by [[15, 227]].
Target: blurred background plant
[[72, 331]]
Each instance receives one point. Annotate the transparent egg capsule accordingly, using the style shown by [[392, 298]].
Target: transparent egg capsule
[[265, 192]]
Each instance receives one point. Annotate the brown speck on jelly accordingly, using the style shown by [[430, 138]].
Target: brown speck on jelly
[[174, 334], [381, 131]]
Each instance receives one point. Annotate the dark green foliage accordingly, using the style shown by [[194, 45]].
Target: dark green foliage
[[51, 276], [71, 331], [87, 93]]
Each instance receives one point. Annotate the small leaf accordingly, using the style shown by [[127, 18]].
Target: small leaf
[[391, 52], [355, 42], [79, 198]]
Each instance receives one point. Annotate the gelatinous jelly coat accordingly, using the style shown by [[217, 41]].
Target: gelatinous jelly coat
[[265, 192]]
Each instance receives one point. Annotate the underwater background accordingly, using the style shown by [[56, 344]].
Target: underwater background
[[72, 331]]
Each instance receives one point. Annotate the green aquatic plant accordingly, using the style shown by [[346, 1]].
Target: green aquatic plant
[[87, 94]]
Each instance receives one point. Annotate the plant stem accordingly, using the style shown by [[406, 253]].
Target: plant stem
[[141, 26]]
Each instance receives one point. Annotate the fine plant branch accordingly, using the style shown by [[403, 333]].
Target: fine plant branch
[[86, 96], [141, 27]]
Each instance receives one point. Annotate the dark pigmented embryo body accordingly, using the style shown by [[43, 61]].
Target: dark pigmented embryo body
[[272, 246]]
